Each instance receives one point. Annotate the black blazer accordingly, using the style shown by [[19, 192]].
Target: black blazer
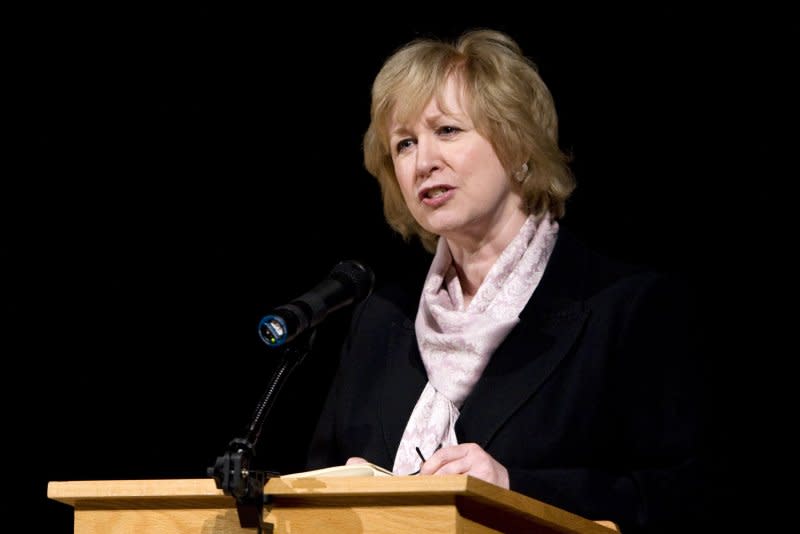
[[591, 402]]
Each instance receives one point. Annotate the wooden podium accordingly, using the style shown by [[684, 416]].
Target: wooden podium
[[334, 505]]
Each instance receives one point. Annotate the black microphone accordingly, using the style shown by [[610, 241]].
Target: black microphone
[[350, 281]]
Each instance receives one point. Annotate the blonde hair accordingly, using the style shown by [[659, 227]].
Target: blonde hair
[[506, 99]]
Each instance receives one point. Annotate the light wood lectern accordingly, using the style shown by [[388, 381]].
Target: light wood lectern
[[334, 505]]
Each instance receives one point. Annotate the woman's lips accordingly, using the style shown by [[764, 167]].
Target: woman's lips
[[436, 196]]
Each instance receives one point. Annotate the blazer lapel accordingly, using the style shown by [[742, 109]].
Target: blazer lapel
[[518, 368], [404, 380]]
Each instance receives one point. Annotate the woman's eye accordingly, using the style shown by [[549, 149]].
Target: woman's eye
[[448, 130], [402, 145]]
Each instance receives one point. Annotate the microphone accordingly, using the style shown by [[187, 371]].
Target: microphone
[[349, 282]]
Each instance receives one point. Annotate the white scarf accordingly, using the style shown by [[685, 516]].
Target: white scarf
[[456, 344]]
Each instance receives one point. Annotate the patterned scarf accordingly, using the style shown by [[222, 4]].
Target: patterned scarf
[[456, 344]]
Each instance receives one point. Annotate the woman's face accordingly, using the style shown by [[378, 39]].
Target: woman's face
[[450, 176]]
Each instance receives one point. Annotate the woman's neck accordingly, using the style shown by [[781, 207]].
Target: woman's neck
[[473, 259]]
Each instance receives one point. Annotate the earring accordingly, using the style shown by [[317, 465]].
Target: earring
[[521, 174]]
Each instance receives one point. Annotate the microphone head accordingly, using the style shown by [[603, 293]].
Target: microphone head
[[349, 282], [357, 276]]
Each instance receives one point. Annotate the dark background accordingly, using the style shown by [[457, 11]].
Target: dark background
[[175, 174]]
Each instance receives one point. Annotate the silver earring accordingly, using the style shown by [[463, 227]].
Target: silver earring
[[521, 174]]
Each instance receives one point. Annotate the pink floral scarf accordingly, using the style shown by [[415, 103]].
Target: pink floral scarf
[[456, 344]]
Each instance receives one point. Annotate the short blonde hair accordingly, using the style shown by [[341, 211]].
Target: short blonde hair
[[506, 99]]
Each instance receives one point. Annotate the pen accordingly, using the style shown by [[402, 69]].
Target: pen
[[419, 453]]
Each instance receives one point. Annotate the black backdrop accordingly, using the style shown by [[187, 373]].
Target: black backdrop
[[178, 173]]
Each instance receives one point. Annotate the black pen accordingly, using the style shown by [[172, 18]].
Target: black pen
[[419, 452]]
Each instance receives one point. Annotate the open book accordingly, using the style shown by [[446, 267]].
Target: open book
[[353, 470]]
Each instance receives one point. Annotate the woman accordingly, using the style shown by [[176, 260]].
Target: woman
[[523, 358]]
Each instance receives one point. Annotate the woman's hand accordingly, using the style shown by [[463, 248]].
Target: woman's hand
[[466, 459], [355, 460]]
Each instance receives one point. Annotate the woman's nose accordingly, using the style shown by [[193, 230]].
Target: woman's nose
[[429, 157]]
